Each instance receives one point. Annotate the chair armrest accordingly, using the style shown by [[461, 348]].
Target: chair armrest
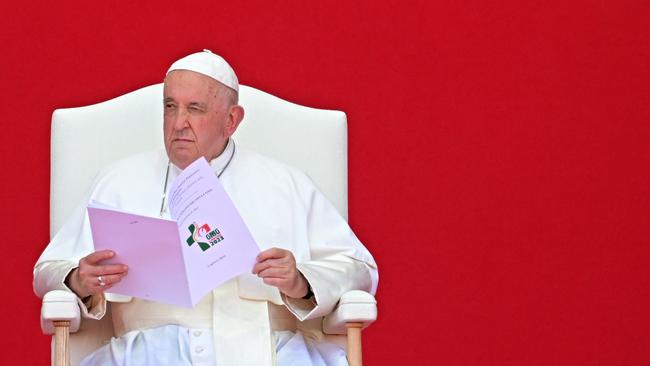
[[59, 305], [354, 306]]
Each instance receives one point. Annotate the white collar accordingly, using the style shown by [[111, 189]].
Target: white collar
[[220, 163]]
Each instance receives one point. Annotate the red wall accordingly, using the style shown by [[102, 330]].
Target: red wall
[[499, 159]]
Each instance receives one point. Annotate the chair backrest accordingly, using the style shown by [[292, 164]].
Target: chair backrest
[[85, 139]]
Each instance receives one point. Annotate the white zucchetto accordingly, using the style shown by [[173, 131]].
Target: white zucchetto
[[208, 64]]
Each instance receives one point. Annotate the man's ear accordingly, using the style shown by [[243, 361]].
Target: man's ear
[[235, 116]]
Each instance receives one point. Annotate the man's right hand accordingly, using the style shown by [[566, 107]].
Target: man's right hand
[[92, 277]]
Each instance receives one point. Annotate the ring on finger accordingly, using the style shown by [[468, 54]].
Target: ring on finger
[[101, 281]]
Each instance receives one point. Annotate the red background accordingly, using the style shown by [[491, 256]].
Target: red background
[[499, 159]]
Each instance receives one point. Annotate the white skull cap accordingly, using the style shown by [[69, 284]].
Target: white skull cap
[[208, 64]]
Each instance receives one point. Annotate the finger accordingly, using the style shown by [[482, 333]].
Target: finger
[[109, 269], [88, 272], [268, 263], [95, 286], [272, 253], [98, 256], [109, 280], [275, 272], [88, 275]]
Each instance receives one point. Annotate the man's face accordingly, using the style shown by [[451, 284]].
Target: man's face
[[197, 117]]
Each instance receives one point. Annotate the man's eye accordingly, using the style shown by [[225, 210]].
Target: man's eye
[[169, 106], [196, 110]]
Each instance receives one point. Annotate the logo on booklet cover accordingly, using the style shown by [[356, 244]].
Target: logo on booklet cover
[[203, 236]]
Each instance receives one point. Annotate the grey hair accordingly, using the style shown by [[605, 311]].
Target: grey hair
[[230, 96]]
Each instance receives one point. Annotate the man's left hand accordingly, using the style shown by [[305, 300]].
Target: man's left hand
[[277, 267]]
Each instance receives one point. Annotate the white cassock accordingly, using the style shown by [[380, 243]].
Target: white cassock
[[244, 321]]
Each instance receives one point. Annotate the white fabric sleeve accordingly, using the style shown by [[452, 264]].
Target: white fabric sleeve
[[51, 275], [329, 280], [338, 261], [72, 242]]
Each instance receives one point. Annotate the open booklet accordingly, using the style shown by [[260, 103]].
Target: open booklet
[[177, 261]]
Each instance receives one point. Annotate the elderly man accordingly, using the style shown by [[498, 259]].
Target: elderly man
[[309, 257]]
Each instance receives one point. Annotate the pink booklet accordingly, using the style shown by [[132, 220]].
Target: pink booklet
[[178, 261]]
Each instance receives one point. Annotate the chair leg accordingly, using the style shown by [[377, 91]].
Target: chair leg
[[61, 343], [354, 343]]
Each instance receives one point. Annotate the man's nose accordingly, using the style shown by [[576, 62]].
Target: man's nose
[[181, 120]]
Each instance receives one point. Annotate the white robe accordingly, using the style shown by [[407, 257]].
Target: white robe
[[281, 207], [180, 346]]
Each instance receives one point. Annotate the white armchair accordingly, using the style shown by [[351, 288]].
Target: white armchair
[[87, 138]]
